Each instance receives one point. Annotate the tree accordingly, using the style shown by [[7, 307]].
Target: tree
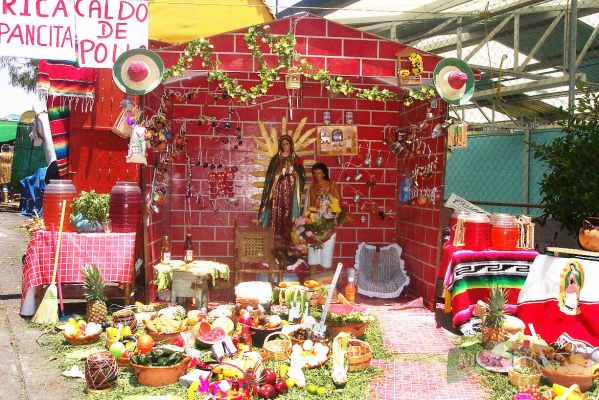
[[21, 71], [571, 187]]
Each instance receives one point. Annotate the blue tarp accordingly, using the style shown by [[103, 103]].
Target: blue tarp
[[32, 192]]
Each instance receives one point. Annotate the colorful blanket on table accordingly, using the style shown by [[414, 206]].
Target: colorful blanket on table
[[561, 299], [64, 81], [470, 276], [59, 126]]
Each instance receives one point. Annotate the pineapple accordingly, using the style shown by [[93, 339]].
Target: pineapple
[[95, 294], [493, 318]]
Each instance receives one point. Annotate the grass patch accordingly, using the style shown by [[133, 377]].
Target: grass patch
[[356, 388]]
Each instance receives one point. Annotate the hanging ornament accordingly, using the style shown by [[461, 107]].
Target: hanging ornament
[[356, 198], [368, 160], [339, 160], [379, 160], [363, 219], [358, 176], [137, 146]]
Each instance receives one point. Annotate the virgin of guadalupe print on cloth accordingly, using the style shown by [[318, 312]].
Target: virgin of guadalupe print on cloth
[[571, 282], [560, 298]]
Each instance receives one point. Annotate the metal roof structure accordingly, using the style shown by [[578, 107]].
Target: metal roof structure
[[521, 47]]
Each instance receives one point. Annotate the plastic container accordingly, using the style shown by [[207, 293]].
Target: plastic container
[[350, 289], [125, 207], [504, 232], [57, 191], [453, 222], [477, 235]]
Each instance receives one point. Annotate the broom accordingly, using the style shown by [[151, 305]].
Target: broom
[[47, 312]]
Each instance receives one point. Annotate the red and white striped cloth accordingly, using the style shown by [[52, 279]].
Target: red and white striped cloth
[[112, 253]]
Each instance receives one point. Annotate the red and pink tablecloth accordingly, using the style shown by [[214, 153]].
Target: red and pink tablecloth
[[112, 253]]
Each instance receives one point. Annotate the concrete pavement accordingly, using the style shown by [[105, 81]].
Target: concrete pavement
[[26, 369]]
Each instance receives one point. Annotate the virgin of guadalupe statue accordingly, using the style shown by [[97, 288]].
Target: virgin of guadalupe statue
[[283, 186]]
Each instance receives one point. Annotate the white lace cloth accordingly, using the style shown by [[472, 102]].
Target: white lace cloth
[[385, 280]]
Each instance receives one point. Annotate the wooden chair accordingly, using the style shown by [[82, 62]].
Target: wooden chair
[[254, 244]]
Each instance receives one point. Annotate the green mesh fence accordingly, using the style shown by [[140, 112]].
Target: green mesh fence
[[493, 168], [27, 158]]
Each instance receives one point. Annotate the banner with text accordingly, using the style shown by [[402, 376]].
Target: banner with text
[[107, 29], [38, 29]]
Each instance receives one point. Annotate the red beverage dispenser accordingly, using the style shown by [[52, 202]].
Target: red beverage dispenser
[[477, 235], [57, 191], [125, 207], [504, 232]]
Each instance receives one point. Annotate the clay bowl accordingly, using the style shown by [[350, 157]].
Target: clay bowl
[[354, 328], [160, 376], [584, 381], [164, 338]]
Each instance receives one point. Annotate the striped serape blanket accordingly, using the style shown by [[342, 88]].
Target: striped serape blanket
[[59, 126], [64, 81]]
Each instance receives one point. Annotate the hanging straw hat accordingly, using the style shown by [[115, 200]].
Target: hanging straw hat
[[454, 81], [138, 71]]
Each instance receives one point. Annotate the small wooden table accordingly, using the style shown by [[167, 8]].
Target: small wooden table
[[563, 252], [190, 284]]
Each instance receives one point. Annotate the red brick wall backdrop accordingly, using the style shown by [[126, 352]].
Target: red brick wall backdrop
[[368, 60]]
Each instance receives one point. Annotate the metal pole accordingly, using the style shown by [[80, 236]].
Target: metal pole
[[526, 170], [516, 41], [572, 53]]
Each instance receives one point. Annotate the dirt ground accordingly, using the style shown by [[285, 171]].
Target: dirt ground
[[27, 370]]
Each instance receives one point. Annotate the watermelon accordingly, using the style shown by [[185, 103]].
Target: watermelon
[[213, 336]]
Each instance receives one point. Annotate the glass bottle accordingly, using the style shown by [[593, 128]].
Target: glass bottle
[[165, 253], [350, 289], [246, 338], [188, 258]]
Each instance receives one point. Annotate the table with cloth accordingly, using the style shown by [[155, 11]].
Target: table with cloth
[[468, 276], [112, 253], [561, 299]]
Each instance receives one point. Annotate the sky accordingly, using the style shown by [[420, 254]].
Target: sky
[[13, 100]]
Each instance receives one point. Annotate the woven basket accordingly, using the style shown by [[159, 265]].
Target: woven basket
[[519, 379], [278, 349], [359, 355], [125, 316], [83, 340], [101, 371], [121, 127]]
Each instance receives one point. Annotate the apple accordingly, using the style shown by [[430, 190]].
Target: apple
[[117, 349], [281, 386], [270, 376], [267, 391]]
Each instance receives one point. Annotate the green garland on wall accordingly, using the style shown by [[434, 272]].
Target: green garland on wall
[[289, 60]]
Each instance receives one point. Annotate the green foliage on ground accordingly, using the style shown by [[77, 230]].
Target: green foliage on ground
[[356, 388]]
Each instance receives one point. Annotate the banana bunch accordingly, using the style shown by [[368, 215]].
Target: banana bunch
[[225, 371]]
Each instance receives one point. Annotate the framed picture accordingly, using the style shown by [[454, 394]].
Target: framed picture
[[337, 140]]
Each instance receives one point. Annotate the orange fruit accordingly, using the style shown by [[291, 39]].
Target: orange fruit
[[145, 344]]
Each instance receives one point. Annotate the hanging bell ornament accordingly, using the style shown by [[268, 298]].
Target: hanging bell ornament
[[368, 160], [347, 178], [379, 160], [363, 219], [339, 160], [356, 198], [358, 175]]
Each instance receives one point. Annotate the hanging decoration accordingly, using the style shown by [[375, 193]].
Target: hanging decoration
[[457, 135], [137, 145], [410, 76], [155, 199], [284, 48], [337, 140], [127, 118]]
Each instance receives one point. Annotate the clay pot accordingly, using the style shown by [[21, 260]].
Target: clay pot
[[588, 236], [160, 376]]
